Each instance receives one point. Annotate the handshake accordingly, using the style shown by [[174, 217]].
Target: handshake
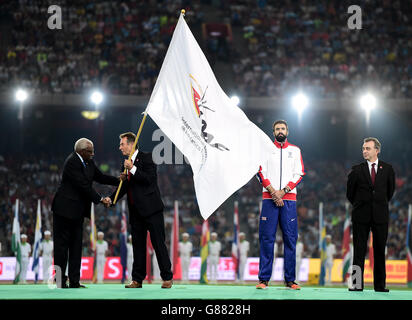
[[107, 202]]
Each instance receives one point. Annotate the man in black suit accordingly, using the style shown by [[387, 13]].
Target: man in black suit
[[370, 187], [71, 204], [145, 212]]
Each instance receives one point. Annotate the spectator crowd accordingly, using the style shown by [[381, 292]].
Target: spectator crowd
[[284, 45]]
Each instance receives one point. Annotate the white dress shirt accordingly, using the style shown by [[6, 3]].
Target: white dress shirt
[[370, 166], [133, 170], [81, 159]]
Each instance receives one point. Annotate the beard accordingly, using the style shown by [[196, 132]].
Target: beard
[[280, 137]]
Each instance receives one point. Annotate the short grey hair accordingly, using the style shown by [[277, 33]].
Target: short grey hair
[[82, 144], [375, 140]]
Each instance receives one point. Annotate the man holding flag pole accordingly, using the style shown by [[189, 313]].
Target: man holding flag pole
[[145, 210]]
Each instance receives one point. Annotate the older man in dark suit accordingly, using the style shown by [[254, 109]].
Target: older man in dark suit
[[71, 204], [370, 187]]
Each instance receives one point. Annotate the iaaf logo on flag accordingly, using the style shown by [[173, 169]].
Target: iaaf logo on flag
[[200, 106]]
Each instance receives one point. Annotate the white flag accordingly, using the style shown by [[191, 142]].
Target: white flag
[[222, 146]]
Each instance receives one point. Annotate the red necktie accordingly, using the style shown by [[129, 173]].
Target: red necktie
[[373, 173]]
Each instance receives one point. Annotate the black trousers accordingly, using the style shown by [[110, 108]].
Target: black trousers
[[155, 225], [68, 246], [360, 244]]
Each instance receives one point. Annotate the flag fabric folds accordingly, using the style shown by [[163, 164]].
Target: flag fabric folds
[[123, 241], [37, 241], [235, 244], [346, 253], [223, 147], [204, 251], [322, 246], [15, 243]]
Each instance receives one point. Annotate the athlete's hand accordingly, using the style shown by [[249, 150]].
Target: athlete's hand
[[279, 203], [279, 194]]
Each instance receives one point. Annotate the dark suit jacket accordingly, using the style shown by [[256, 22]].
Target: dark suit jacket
[[142, 187], [75, 193], [370, 202]]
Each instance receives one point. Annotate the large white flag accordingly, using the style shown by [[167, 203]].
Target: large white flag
[[222, 146]]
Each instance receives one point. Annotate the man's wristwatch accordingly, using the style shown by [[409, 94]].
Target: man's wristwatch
[[286, 189]]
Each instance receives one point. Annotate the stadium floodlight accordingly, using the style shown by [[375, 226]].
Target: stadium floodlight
[[96, 98], [300, 101], [368, 102], [21, 95], [235, 100]]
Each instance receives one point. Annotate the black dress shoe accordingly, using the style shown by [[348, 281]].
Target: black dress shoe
[[355, 289], [381, 290], [76, 285]]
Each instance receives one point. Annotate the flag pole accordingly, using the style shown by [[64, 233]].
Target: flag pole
[[183, 11], [131, 153]]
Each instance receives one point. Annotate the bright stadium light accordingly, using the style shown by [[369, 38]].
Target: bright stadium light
[[368, 102], [96, 98], [21, 95], [235, 100], [300, 101]]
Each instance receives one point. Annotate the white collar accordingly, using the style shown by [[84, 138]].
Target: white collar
[[80, 157], [135, 155], [375, 162]]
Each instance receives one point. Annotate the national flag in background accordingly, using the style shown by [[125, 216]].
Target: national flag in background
[[409, 246], [174, 241], [322, 245], [15, 242], [346, 252], [204, 252], [123, 241], [235, 244], [371, 250], [93, 241], [223, 147], [37, 242]]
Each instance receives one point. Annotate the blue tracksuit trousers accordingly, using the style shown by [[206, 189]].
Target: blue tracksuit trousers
[[268, 223]]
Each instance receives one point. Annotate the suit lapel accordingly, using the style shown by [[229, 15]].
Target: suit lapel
[[86, 169], [378, 171], [365, 170]]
